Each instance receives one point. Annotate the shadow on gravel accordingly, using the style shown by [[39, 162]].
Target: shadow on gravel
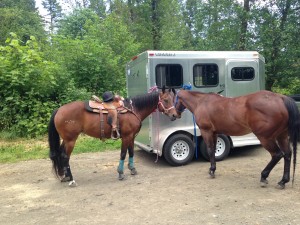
[[240, 152]]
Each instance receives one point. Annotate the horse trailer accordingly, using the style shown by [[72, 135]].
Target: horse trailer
[[229, 73]]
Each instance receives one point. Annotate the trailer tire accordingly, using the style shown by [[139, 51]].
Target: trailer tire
[[179, 150], [222, 148]]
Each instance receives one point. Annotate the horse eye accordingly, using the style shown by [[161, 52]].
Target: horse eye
[[166, 100]]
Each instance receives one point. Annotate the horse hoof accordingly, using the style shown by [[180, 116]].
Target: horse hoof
[[121, 176], [280, 186], [72, 183], [264, 183], [133, 171], [65, 179], [211, 174]]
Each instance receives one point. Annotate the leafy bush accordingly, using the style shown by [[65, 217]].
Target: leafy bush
[[31, 87]]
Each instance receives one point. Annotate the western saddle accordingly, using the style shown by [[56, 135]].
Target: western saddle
[[112, 109]]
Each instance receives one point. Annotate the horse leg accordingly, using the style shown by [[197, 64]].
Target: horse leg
[[131, 161], [285, 148], [276, 155], [66, 154], [210, 140], [122, 158]]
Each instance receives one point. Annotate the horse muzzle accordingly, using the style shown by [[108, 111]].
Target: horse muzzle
[[173, 117]]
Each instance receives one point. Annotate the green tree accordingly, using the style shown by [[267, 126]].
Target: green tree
[[26, 5], [22, 21], [76, 24], [54, 12], [277, 29], [95, 55], [25, 82], [173, 33], [214, 24], [32, 87]]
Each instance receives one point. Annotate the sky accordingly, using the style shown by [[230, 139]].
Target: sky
[[38, 4]]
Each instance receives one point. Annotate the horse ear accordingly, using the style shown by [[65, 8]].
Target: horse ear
[[164, 89]]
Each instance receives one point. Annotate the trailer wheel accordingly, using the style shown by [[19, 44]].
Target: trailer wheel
[[222, 148], [179, 150]]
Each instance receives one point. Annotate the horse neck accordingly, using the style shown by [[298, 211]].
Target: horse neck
[[189, 100], [144, 110]]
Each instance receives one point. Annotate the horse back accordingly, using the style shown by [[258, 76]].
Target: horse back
[[244, 114]]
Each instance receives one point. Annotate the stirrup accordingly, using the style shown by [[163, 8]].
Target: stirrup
[[117, 134]]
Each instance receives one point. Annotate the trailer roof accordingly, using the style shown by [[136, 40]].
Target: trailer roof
[[201, 54]]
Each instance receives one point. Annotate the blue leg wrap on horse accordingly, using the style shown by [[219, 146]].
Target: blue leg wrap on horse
[[131, 164], [121, 166]]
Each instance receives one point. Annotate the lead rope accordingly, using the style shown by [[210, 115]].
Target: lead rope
[[152, 89], [189, 87]]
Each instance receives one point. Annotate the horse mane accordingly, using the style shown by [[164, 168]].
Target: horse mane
[[141, 101]]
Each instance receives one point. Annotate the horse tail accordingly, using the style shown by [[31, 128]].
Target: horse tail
[[54, 145], [293, 127]]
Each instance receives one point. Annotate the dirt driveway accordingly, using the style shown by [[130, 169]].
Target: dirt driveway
[[159, 194]]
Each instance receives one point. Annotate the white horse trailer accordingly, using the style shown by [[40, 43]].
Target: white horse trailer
[[231, 73]]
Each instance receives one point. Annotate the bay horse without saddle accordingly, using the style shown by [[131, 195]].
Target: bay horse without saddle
[[273, 118], [71, 119]]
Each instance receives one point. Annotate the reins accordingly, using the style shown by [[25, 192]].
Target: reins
[[182, 109]]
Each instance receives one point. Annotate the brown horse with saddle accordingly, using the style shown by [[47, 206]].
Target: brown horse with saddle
[[273, 118], [109, 119]]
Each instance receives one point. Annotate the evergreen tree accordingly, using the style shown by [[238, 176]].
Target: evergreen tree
[[54, 12], [20, 17]]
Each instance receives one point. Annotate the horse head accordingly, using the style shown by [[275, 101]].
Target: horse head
[[165, 104], [179, 107]]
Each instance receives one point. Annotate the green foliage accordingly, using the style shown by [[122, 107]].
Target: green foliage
[[25, 23], [25, 86], [76, 24], [29, 84], [173, 33], [97, 54]]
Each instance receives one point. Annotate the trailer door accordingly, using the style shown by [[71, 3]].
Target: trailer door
[[242, 77]]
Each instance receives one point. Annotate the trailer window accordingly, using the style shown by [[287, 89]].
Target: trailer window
[[205, 75], [242, 73], [169, 75]]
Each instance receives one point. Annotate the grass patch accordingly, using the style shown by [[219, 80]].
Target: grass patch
[[15, 150], [88, 144]]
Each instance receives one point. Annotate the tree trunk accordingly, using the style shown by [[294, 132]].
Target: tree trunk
[[155, 25], [244, 25]]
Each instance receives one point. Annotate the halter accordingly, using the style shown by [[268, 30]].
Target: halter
[[176, 102], [155, 88], [162, 105]]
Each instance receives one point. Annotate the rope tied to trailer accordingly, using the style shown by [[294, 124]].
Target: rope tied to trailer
[[189, 87]]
